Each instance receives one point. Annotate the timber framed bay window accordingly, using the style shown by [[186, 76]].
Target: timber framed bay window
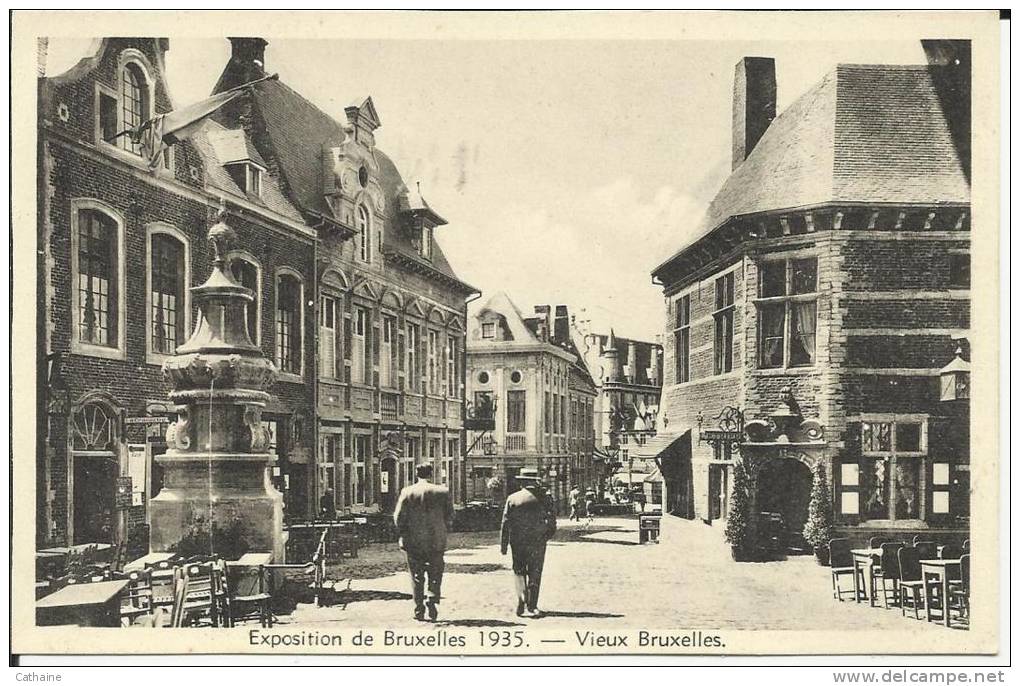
[[361, 367], [167, 302], [247, 271], [98, 280], [289, 324], [723, 316], [888, 481], [682, 339], [787, 312]]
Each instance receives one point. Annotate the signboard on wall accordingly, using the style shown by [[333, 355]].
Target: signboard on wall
[[122, 499], [384, 486], [137, 467]]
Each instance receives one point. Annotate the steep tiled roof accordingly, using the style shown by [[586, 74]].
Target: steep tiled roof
[[218, 178], [300, 131], [863, 134]]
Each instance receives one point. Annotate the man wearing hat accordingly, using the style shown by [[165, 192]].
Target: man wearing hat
[[529, 521], [424, 512]]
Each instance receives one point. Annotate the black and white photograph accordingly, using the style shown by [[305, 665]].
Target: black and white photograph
[[506, 334]]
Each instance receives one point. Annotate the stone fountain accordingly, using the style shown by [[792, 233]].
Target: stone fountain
[[217, 497]]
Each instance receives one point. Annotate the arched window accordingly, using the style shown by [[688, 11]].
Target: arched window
[[168, 287], [96, 266], [288, 323], [365, 234], [247, 272], [93, 429], [134, 105]]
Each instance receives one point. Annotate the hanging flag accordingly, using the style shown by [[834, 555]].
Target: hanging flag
[[157, 134]]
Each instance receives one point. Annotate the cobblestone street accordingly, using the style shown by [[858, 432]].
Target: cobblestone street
[[600, 574]]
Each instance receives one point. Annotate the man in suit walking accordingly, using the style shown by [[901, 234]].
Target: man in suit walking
[[424, 512], [529, 521]]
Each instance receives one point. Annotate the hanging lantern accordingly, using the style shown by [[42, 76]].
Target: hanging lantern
[[955, 379]]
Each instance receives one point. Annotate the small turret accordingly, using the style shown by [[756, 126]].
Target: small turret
[[611, 359]]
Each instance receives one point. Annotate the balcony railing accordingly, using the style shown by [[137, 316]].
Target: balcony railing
[[515, 443]]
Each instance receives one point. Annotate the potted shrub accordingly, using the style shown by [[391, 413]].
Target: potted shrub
[[818, 528], [737, 522]]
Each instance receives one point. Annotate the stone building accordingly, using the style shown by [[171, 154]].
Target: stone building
[[529, 370], [628, 375], [120, 245], [386, 306], [810, 317]]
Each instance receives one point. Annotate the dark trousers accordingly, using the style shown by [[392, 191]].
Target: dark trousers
[[527, 563], [428, 565]]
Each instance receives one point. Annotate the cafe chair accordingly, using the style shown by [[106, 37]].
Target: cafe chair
[[887, 571], [959, 591], [911, 581], [840, 563], [137, 599], [875, 542], [927, 550], [199, 601], [950, 552], [966, 545], [249, 596]]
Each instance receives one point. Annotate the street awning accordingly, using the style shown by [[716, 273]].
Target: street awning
[[655, 446]]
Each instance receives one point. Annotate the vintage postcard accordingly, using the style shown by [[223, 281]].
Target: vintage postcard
[[515, 334]]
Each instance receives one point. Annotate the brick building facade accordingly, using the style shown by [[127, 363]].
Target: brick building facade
[[825, 290], [119, 247], [529, 370], [386, 306]]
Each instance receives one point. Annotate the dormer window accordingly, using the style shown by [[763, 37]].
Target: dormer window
[[126, 104], [364, 234], [488, 330], [248, 177], [425, 248]]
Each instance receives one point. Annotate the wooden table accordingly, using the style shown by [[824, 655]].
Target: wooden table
[[864, 560], [938, 574], [95, 604], [149, 559]]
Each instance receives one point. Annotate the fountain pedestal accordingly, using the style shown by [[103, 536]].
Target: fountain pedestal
[[217, 497]]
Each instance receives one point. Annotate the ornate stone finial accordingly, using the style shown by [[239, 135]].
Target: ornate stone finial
[[222, 237]]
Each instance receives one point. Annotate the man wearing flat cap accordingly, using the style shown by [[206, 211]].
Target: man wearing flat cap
[[529, 521], [423, 514]]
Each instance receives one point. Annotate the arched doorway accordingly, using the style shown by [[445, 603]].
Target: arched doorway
[[95, 448], [388, 484], [784, 487]]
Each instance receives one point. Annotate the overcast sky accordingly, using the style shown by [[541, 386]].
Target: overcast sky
[[567, 169]]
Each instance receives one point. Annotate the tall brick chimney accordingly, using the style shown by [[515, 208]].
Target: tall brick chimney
[[754, 104], [561, 324], [247, 63]]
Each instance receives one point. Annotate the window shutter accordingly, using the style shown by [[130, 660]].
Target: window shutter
[[376, 337], [394, 354], [347, 349]]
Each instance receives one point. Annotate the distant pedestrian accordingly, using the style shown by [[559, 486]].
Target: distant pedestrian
[[327, 505], [575, 504], [423, 514], [589, 508], [529, 521]]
